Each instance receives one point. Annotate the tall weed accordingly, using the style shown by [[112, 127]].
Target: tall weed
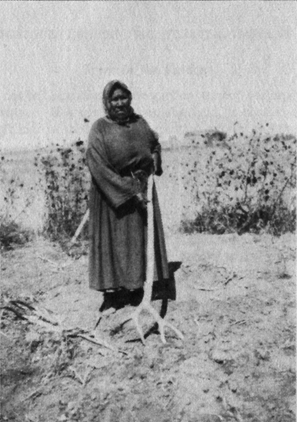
[[12, 233], [247, 185], [66, 189]]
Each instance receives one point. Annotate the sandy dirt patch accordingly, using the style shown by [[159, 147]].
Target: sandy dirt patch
[[235, 306]]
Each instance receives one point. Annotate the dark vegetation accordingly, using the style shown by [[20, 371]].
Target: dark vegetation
[[66, 190], [241, 184], [13, 235], [247, 185]]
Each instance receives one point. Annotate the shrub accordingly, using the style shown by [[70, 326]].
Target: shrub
[[12, 235], [66, 190], [248, 185]]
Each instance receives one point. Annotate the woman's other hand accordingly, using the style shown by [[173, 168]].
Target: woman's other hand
[[141, 201]]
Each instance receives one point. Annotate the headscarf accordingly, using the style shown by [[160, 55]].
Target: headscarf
[[107, 93]]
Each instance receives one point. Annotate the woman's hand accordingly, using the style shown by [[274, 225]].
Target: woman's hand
[[141, 176], [141, 201]]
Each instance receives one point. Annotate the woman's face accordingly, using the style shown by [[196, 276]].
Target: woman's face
[[120, 104]]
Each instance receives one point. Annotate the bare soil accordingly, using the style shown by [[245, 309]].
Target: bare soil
[[235, 306]]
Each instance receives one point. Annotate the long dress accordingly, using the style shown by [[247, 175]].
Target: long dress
[[117, 225]]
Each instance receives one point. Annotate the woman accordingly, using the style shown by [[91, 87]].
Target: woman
[[122, 152]]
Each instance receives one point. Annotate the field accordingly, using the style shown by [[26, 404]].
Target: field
[[235, 306], [235, 281]]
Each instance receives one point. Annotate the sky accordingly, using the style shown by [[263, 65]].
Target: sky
[[190, 66]]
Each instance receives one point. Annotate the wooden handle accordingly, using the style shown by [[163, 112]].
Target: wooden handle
[[80, 227], [150, 262]]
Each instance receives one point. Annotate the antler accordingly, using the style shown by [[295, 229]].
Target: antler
[[148, 286]]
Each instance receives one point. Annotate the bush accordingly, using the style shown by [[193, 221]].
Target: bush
[[66, 190], [228, 220], [247, 185], [12, 235]]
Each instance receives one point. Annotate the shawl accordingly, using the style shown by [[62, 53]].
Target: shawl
[[107, 94]]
